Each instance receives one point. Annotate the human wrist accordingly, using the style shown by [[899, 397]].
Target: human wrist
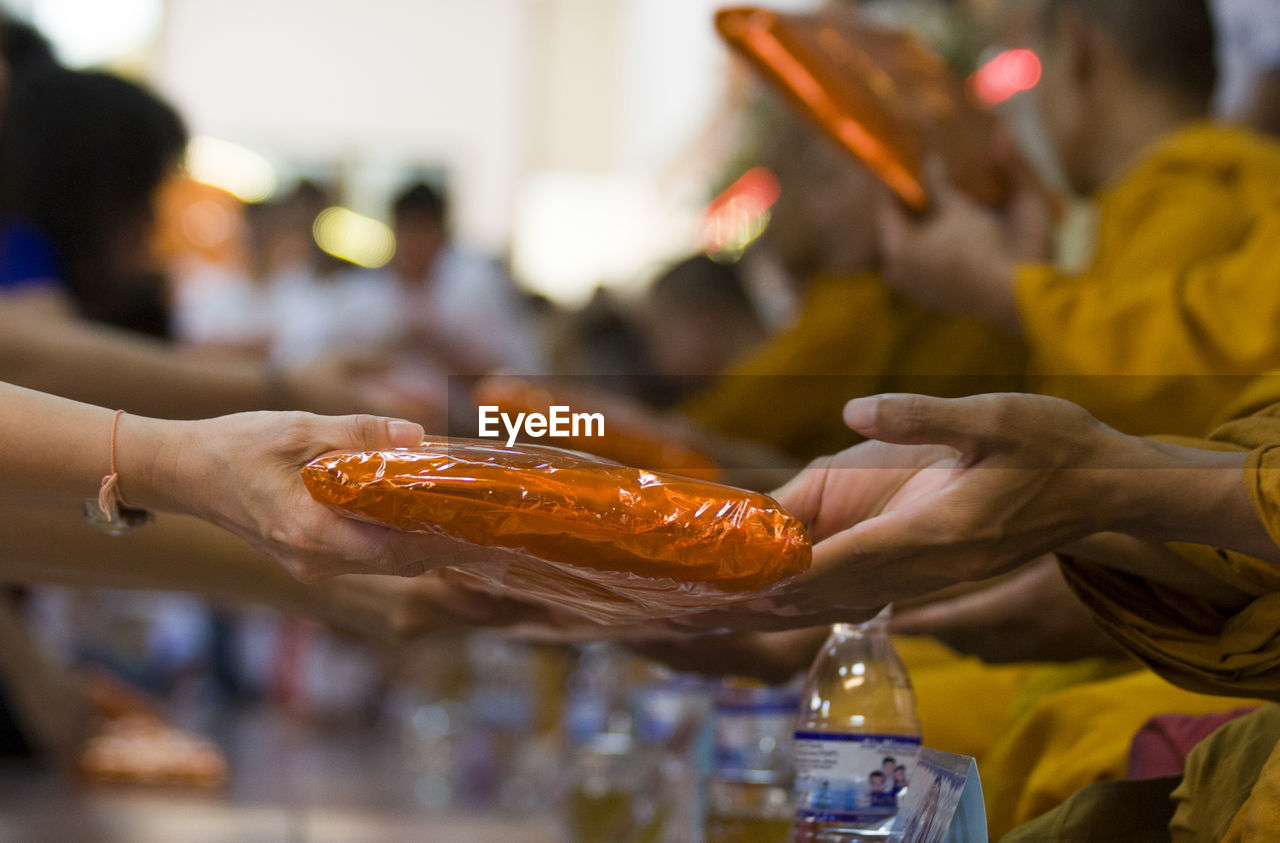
[[1169, 493], [158, 463]]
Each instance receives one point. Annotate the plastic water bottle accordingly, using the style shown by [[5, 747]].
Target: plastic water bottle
[[671, 726], [749, 791], [603, 774], [856, 738], [501, 726], [596, 695]]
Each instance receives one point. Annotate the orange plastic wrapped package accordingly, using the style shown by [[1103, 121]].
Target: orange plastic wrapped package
[[880, 94], [610, 543], [632, 434]]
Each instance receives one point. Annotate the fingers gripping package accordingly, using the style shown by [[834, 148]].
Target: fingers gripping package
[[611, 543]]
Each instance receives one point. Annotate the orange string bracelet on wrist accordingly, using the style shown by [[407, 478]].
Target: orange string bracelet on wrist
[[112, 514], [110, 499]]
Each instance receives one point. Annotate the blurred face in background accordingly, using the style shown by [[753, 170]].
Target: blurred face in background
[[419, 238], [699, 337]]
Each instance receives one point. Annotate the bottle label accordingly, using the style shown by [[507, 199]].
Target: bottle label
[[852, 778]]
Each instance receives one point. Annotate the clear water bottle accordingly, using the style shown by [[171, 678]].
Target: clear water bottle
[[672, 732], [856, 738], [749, 791], [604, 777], [501, 728], [596, 695]]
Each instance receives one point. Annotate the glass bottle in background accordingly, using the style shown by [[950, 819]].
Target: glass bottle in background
[[671, 728], [428, 705], [501, 729], [602, 770], [856, 738], [749, 791]]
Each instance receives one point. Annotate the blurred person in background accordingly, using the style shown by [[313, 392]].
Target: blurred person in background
[[452, 310], [698, 319], [49, 247], [28, 263], [302, 285], [853, 334], [24, 50], [1175, 311], [278, 298], [285, 303], [603, 346], [203, 243], [81, 157]]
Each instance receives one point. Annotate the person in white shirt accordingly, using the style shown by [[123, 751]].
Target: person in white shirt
[[456, 309]]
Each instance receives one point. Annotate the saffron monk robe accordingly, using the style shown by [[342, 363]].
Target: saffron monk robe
[[1162, 329], [1177, 308]]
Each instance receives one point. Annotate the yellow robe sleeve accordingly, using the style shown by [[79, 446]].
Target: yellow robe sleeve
[[1162, 348], [1189, 641], [1178, 307], [854, 337]]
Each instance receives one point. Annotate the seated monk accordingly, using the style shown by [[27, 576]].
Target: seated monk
[[1161, 331], [853, 335], [1177, 308]]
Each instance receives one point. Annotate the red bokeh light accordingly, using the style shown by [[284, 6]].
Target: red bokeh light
[[1009, 73], [741, 205]]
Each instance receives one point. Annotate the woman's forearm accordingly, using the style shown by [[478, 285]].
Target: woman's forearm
[[55, 449]]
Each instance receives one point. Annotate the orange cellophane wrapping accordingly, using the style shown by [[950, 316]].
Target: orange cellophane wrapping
[[880, 94], [611, 543], [632, 435]]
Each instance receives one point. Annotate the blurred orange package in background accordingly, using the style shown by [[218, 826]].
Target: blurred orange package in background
[[611, 543], [882, 95]]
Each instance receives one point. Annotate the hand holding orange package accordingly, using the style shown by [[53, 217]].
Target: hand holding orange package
[[614, 544]]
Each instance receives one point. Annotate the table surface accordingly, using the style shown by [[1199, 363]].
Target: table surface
[[290, 781]]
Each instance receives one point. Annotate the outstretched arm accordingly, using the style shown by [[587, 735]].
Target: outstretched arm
[[55, 352], [962, 490], [239, 472]]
